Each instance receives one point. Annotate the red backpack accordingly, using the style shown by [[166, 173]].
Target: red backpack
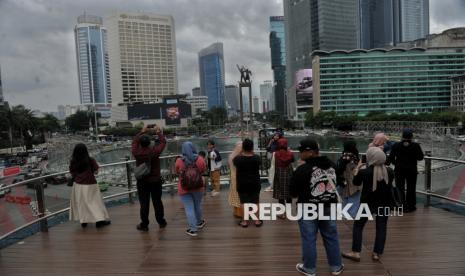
[[191, 177]]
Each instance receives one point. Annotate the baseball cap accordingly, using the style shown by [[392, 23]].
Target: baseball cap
[[308, 144], [407, 134]]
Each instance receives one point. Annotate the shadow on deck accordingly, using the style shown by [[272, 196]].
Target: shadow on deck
[[428, 242]]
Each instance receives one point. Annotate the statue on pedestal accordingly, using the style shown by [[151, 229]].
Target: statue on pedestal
[[245, 74]]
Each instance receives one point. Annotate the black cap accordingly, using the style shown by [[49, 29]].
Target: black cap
[[407, 134], [308, 144]]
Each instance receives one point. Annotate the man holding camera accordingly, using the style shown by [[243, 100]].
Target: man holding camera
[[151, 184]]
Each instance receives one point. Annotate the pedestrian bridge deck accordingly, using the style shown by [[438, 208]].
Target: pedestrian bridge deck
[[428, 242]]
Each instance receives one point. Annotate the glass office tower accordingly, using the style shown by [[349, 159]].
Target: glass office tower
[[278, 61], [92, 60], [211, 71]]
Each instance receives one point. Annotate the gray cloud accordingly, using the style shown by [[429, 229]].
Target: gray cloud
[[37, 51]]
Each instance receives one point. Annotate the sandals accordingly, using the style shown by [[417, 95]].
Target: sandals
[[259, 224], [241, 223]]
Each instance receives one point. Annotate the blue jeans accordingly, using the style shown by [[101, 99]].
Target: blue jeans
[[308, 231], [193, 207]]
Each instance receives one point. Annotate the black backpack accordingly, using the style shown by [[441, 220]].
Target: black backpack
[[218, 156]]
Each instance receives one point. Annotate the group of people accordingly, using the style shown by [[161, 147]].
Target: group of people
[[354, 178]]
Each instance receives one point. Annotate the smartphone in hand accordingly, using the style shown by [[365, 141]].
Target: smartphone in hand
[[364, 159]]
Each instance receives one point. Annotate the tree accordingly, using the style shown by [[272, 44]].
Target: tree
[[79, 121]]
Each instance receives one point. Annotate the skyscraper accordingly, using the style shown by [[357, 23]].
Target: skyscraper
[[211, 71], [142, 50], [278, 61], [318, 25], [196, 91], [266, 93], [92, 60], [413, 18], [389, 22], [231, 95]]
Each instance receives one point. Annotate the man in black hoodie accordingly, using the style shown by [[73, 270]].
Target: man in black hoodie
[[405, 156], [314, 182]]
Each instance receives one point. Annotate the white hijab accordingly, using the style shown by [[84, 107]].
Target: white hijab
[[377, 158]]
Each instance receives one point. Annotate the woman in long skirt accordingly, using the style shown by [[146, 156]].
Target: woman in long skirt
[[233, 197], [86, 204], [283, 159]]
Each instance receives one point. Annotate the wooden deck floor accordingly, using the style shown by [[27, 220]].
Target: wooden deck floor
[[428, 242]]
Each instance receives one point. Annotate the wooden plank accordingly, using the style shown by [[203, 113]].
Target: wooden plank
[[427, 242]]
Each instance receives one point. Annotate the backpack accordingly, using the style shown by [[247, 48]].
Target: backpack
[[191, 177], [322, 186], [218, 156]]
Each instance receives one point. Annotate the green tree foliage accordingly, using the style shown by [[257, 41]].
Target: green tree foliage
[[80, 121]]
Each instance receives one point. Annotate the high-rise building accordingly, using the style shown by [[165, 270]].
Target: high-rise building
[[278, 61], [211, 71], [92, 60], [413, 19], [142, 50], [318, 25], [198, 103], [407, 80], [256, 105], [389, 22], [196, 92], [266, 93], [231, 94]]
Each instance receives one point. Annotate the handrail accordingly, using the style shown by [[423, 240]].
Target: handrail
[[175, 155], [44, 217]]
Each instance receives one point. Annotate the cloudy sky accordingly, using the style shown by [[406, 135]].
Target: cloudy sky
[[37, 52]]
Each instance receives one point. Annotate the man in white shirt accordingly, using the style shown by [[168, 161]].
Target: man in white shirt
[[214, 164]]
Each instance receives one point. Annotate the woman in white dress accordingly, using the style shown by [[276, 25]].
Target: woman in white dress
[[86, 201]]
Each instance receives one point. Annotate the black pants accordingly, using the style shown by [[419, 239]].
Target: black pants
[[380, 238], [146, 189], [409, 198]]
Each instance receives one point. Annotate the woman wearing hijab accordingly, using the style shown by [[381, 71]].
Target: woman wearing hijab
[[377, 180], [345, 170], [86, 201], [191, 199], [233, 197], [378, 141], [283, 159]]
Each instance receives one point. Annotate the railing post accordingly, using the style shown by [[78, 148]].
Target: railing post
[[428, 178], [129, 176], [39, 187]]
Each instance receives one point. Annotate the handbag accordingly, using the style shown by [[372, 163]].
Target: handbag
[[143, 169]]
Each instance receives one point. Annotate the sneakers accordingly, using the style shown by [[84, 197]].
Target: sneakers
[[215, 193], [269, 189], [338, 272], [191, 233], [300, 268], [201, 224], [141, 227]]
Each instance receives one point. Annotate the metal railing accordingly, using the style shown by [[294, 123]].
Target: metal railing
[[42, 216]]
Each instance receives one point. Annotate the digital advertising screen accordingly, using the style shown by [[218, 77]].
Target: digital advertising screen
[[304, 87]]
